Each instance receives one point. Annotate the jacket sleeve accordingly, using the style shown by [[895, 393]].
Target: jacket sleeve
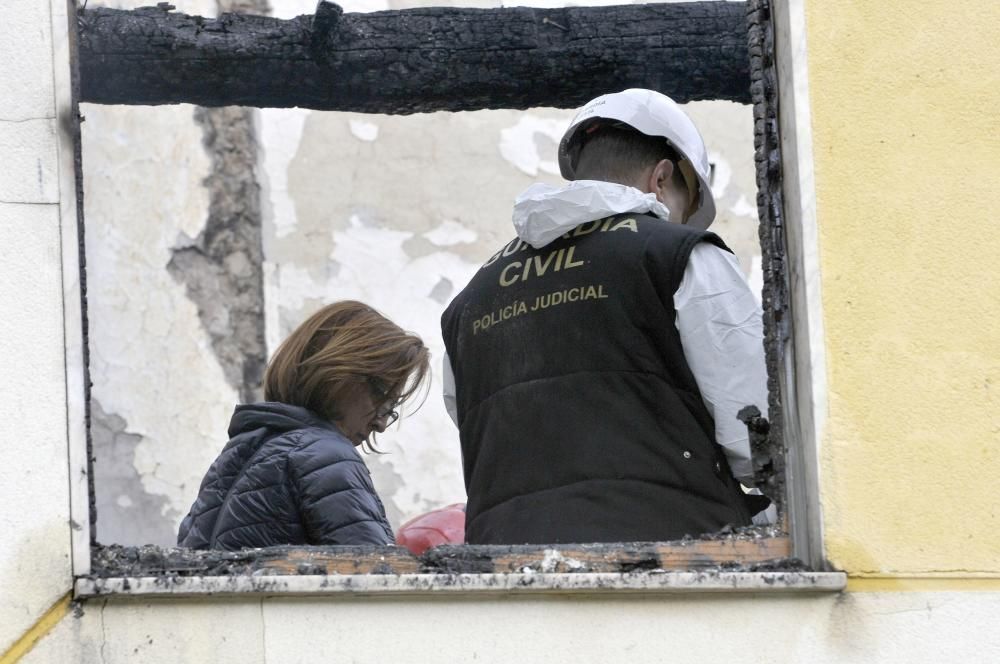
[[337, 501], [720, 327]]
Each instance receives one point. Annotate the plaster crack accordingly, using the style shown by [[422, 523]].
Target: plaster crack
[[222, 268], [104, 634], [263, 633], [922, 609], [23, 120]]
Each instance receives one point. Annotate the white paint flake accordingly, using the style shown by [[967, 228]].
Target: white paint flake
[[294, 286], [743, 208], [721, 176], [363, 6], [756, 277], [281, 132], [449, 233], [286, 9], [272, 314], [519, 145], [364, 130]]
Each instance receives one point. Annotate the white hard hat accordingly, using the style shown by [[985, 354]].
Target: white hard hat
[[653, 114]]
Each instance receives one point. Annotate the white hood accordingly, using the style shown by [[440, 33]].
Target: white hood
[[542, 212]]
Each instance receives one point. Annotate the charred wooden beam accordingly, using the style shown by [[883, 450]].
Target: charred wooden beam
[[416, 60]]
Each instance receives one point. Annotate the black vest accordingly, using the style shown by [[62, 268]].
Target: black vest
[[579, 418]]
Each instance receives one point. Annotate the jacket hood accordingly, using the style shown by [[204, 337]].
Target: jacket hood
[[276, 416], [542, 212]]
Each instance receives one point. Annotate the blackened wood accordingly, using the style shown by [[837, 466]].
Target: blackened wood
[[71, 126], [746, 552], [416, 60], [770, 448], [151, 560]]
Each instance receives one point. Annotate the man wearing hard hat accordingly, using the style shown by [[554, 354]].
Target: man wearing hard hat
[[596, 363]]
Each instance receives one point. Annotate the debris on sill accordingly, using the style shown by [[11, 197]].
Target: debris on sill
[[767, 454], [748, 549]]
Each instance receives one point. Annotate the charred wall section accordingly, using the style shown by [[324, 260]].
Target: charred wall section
[[221, 268]]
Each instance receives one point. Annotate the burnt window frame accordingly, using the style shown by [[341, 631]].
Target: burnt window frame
[[741, 561]]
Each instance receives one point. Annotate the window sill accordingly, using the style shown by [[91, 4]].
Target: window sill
[[746, 562], [646, 582]]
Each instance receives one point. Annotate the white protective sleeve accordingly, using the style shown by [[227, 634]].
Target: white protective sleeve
[[721, 330]]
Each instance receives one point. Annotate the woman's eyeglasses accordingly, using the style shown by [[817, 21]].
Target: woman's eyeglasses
[[387, 407]]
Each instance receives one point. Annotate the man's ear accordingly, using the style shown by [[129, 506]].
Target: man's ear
[[659, 179]]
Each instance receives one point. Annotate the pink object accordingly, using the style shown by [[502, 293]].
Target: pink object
[[440, 526]]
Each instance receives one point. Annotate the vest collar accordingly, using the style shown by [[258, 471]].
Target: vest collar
[[542, 212]]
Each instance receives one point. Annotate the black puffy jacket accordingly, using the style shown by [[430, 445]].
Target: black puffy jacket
[[285, 477]]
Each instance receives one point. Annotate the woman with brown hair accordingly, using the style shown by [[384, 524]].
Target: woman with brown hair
[[290, 473]]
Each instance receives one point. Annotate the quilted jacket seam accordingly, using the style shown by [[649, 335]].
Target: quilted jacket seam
[[229, 494]]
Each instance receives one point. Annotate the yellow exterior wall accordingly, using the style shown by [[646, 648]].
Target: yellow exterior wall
[[906, 129]]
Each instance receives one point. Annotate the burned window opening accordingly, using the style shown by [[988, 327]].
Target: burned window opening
[[748, 549]]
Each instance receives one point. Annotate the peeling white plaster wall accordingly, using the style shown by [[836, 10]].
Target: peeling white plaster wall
[[151, 362], [727, 128], [524, 145], [280, 134]]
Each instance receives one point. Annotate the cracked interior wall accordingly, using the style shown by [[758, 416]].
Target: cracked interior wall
[[177, 326], [164, 395]]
